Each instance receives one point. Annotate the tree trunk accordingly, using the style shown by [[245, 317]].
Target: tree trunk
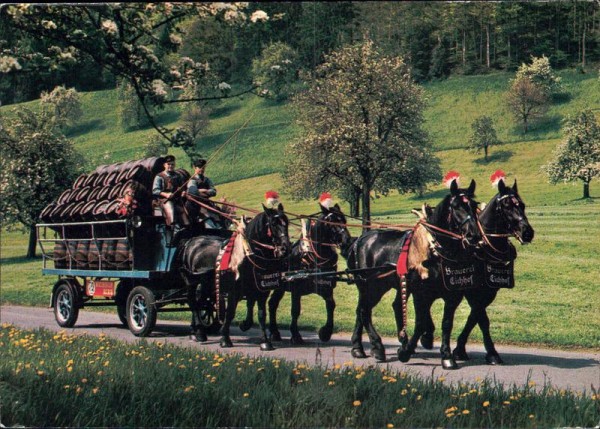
[[525, 125], [583, 48], [366, 208], [464, 48], [586, 189], [485, 151], [487, 45], [32, 242], [355, 205]]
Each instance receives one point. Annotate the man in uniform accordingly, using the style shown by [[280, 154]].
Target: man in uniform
[[166, 183], [200, 188]]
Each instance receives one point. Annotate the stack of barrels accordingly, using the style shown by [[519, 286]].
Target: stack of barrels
[[97, 196]]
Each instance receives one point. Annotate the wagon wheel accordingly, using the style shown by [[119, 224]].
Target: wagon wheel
[[209, 317], [141, 311], [65, 309], [121, 300]]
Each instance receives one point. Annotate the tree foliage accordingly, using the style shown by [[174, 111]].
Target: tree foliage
[[131, 40], [37, 164], [275, 71], [363, 116], [527, 101], [578, 156], [64, 104], [484, 135], [541, 74]]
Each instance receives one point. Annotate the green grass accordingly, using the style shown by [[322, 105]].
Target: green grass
[[52, 379], [556, 296]]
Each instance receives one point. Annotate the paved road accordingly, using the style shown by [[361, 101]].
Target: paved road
[[561, 369]]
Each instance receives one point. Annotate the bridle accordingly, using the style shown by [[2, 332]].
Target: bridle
[[334, 243]]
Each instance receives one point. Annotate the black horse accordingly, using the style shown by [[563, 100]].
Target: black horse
[[503, 217], [456, 214], [267, 249], [323, 235]]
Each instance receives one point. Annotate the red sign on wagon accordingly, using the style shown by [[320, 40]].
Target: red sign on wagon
[[100, 288]]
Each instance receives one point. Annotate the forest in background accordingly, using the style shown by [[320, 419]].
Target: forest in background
[[437, 39]]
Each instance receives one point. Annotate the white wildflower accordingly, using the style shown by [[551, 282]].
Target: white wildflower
[[49, 25], [175, 73], [224, 86], [8, 64], [109, 26], [259, 15], [276, 67]]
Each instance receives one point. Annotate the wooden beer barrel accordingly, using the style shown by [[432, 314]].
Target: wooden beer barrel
[[123, 256], [59, 255], [94, 254], [81, 254]]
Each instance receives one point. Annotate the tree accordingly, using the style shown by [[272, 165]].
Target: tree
[[362, 114], [37, 164], [484, 135], [578, 156], [64, 104], [130, 110], [130, 40], [540, 73], [195, 120], [526, 101], [275, 71]]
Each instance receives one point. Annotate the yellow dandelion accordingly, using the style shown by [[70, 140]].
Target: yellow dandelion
[[84, 380], [66, 387], [107, 363], [506, 402], [486, 404], [400, 410], [404, 392], [69, 368], [78, 390], [531, 383], [389, 425], [450, 410], [40, 372], [246, 395], [331, 383], [357, 403], [450, 415], [466, 412], [441, 378], [531, 416], [419, 397], [188, 389], [100, 373], [95, 390], [337, 366]]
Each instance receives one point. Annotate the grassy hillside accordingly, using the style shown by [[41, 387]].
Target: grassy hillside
[[556, 297]]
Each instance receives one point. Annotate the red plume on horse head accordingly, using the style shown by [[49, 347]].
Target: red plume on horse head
[[449, 177], [496, 177], [325, 200], [271, 199]]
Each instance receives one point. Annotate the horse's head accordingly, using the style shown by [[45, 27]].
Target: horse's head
[[273, 230], [331, 227], [458, 213], [509, 210]]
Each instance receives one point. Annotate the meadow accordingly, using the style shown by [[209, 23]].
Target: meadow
[[557, 276], [59, 379]]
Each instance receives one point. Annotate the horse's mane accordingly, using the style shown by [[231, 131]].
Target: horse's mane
[[253, 227], [438, 216]]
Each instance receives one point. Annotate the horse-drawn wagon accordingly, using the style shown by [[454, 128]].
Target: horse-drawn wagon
[[109, 247]]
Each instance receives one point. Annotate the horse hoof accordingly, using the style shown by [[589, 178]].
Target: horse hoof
[[403, 355], [494, 360], [226, 343], [200, 338], [427, 341], [325, 334], [245, 325], [460, 354], [297, 340], [266, 347], [449, 364], [275, 336], [379, 355], [358, 354]]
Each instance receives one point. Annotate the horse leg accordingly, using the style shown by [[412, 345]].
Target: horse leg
[[327, 330], [492, 357], [422, 304], [397, 307], [249, 320], [296, 338], [450, 306], [265, 341], [274, 301], [460, 352], [232, 303], [366, 313], [427, 337], [358, 351], [198, 333]]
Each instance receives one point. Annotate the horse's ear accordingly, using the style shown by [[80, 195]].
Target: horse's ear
[[501, 187], [515, 187], [454, 187], [280, 207], [472, 186], [267, 210], [337, 207]]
